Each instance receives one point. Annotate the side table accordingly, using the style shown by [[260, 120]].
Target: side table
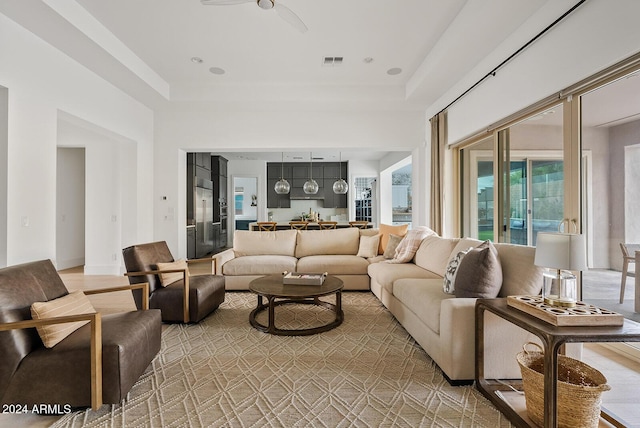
[[552, 338]]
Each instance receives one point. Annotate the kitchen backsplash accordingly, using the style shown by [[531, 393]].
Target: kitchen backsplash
[[300, 206]]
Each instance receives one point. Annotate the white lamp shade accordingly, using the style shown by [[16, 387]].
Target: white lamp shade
[[561, 251]]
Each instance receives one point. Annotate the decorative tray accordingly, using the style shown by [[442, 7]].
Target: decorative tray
[[583, 314], [301, 278]]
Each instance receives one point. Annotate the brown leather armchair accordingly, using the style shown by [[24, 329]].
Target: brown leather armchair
[[206, 292], [97, 363]]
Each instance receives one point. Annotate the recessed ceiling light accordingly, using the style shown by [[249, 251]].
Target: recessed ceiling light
[[217, 70], [368, 60], [394, 71], [196, 59]]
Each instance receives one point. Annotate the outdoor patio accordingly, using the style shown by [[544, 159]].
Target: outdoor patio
[[601, 287]]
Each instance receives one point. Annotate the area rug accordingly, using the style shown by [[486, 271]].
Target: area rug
[[368, 372]]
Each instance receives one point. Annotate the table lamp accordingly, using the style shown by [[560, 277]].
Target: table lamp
[[560, 253]]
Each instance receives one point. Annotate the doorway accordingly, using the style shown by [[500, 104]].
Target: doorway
[[70, 207], [245, 202]]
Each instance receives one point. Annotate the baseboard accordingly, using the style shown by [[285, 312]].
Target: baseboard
[[624, 349], [102, 270], [69, 263]]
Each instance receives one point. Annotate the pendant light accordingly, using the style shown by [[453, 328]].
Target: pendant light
[[310, 187], [282, 186], [340, 187]]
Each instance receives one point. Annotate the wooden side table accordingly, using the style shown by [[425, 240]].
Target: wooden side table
[[552, 338]]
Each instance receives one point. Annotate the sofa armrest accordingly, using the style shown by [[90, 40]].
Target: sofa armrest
[[223, 257], [144, 286], [95, 320]]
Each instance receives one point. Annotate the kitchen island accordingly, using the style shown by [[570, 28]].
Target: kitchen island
[[283, 225]]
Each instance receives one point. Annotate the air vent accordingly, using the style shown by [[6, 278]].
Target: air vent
[[332, 61]]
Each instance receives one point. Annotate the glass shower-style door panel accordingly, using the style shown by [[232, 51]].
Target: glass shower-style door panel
[[485, 187], [547, 203]]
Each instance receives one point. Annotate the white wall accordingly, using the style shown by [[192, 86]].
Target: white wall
[[45, 85], [4, 176], [598, 34]]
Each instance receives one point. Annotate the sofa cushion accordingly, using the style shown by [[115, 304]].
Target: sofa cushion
[[368, 246], [333, 264], [386, 230], [479, 274], [74, 303], [386, 274], [407, 248], [171, 277], [259, 265], [434, 253], [249, 243], [336, 241], [464, 244], [449, 283], [520, 276], [390, 249], [423, 297]]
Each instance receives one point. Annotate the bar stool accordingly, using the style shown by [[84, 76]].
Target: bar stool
[[327, 224], [299, 225], [267, 226], [360, 224]]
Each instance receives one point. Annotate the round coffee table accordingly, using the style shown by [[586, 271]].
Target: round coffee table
[[277, 293]]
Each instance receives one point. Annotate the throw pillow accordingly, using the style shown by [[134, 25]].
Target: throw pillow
[[386, 230], [410, 244], [171, 277], [452, 271], [368, 246], [480, 273], [390, 249], [72, 304]]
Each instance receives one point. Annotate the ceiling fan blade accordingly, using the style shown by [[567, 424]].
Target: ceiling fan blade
[[223, 2], [289, 16]]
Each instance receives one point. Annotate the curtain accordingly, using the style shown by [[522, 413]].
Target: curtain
[[438, 144]]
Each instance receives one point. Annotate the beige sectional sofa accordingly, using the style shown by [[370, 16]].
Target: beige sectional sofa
[[442, 324]]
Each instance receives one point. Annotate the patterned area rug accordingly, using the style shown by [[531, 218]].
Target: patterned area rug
[[368, 372]]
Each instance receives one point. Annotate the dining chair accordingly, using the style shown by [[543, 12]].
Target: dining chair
[[360, 224], [299, 225], [327, 224], [628, 257], [267, 226]]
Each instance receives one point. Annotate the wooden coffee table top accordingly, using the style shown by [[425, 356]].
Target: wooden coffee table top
[[272, 285]]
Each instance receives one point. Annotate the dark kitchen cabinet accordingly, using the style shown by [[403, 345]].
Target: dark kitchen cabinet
[[275, 171], [219, 166]]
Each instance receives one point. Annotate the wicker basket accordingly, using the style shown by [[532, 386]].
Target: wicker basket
[[579, 389]]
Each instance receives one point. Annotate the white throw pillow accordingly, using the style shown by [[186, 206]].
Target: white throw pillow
[[450, 273], [75, 303], [368, 246], [171, 277]]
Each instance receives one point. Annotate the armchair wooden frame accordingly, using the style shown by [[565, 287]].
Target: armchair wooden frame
[[628, 257], [185, 281], [95, 320]]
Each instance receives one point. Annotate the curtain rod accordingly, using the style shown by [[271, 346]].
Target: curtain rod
[[525, 46]]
